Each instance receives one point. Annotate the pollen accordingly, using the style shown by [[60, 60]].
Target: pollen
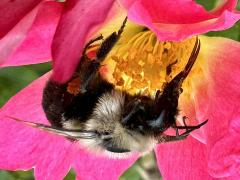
[[144, 64], [73, 86]]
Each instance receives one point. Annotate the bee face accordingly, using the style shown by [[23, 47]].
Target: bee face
[[108, 123], [119, 140]]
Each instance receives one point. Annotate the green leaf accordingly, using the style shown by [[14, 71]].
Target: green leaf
[[13, 79], [70, 176], [207, 4]]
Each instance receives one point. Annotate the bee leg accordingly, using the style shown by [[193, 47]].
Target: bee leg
[[178, 79], [189, 129], [168, 99], [84, 58], [174, 87], [169, 67], [167, 138], [90, 43], [109, 43], [88, 68]]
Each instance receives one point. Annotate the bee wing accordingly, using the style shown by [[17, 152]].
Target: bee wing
[[74, 134]]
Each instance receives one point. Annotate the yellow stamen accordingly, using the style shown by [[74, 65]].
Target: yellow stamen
[[144, 64]]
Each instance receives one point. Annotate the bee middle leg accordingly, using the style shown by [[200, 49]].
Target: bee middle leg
[[188, 129], [167, 138]]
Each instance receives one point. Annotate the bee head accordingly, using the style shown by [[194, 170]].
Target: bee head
[[123, 123]]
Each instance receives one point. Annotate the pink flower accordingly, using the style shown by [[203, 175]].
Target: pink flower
[[213, 97]]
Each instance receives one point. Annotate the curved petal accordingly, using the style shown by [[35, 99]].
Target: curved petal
[[223, 111], [29, 42], [24, 147], [78, 20], [91, 167], [218, 90], [215, 97], [183, 160], [180, 19], [12, 12]]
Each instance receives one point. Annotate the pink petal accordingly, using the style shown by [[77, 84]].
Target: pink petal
[[23, 147], [183, 160], [179, 19], [223, 106], [217, 90], [215, 97], [78, 20], [91, 167], [30, 40], [12, 12], [197, 106]]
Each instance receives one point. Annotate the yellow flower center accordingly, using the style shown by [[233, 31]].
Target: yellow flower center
[[143, 64]]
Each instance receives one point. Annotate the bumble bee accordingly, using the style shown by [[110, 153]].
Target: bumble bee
[[108, 119]]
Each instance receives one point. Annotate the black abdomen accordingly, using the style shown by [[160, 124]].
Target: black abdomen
[[59, 105]]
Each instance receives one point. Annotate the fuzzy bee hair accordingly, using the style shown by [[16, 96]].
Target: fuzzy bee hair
[[106, 119]]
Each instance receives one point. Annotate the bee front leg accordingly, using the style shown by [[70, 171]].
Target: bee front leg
[[109, 43], [88, 68]]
